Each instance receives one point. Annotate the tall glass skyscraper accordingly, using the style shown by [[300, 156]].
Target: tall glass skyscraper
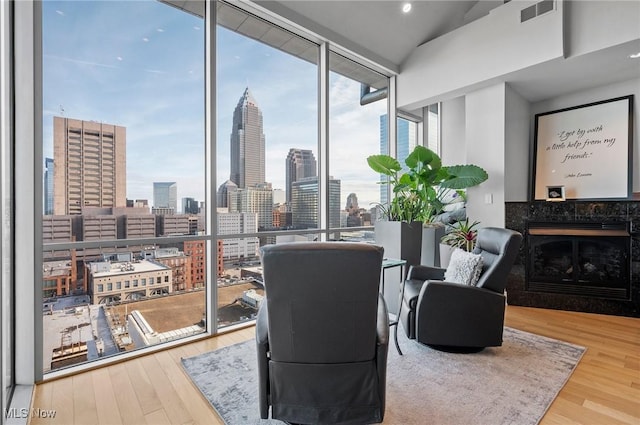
[[247, 143], [165, 195], [304, 203], [48, 186], [406, 141]]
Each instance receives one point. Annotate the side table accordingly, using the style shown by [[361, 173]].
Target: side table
[[389, 263]]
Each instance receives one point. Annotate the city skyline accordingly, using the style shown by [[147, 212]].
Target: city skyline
[[165, 128]]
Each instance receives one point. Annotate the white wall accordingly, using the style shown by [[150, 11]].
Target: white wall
[[585, 32], [485, 130], [517, 146], [452, 132], [461, 88], [594, 95], [447, 67]]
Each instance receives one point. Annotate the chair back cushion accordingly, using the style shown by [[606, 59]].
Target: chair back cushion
[[464, 267], [322, 301], [498, 248]]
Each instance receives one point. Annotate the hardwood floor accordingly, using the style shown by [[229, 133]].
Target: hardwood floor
[[604, 388]]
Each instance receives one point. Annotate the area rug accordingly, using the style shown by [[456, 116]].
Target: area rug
[[512, 384]]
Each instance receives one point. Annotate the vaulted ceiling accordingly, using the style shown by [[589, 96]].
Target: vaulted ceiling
[[381, 27], [379, 31]]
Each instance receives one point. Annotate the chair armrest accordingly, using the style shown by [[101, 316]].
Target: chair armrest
[[262, 348], [418, 272], [383, 322], [460, 315], [437, 292], [262, 325], [447, 301], [382, 348]]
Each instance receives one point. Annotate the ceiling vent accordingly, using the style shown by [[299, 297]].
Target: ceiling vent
[[536, 10]]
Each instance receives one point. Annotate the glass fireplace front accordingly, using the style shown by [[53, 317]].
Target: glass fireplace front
[[589, 259]]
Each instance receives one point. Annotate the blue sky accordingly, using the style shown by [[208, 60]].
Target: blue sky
[[103, 62]]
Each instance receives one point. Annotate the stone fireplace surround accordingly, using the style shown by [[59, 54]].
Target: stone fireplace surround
[[518, 214]]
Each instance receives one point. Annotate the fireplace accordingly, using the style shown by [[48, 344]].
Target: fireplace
[[579, 258]]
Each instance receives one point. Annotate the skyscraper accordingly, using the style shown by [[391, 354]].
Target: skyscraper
[[189, 206], [90, 165], [256, 199], [247, 143], [300, 163], [223, 193], [48, 186], [352, 203], [165, 195], [406, 141], [304, 203]]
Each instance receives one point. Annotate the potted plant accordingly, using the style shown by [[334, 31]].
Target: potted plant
[[461, 234], [418, 192]]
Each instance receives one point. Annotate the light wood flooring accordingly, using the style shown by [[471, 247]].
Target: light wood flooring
[[154, 389]]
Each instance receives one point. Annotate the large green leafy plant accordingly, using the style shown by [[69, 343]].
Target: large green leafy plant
[[418, 193]]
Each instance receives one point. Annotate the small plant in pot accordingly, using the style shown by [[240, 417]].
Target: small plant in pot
[[463, 235]]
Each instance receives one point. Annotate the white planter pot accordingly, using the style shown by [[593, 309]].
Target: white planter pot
[[445, 255], [430, 253]]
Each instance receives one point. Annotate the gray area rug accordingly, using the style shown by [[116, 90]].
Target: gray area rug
[[512, 384]]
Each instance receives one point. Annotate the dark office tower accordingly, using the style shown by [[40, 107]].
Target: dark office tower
[[189, 206], [300, 164], [48, 186], [247, 143], [352, 203], [222, 197], [90, 165]]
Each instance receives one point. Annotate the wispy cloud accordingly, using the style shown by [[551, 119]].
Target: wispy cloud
[[155, 88], [78, 61]]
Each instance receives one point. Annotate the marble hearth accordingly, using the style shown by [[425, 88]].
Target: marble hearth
[[556, 285]]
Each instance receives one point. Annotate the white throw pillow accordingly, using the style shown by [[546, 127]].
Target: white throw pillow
[[464, 267]]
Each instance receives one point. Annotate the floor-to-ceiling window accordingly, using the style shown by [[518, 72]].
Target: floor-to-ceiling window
[[357, 124], [123, 188], [267, 150], [6, 210], [143, 216]]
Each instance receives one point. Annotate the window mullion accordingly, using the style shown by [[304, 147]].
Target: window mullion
[[323, 139], [211, 167]]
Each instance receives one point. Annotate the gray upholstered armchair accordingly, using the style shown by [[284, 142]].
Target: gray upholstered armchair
[[446, 314], [322, 334]]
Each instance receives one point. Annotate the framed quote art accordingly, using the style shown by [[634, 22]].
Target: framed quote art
[[586, 151]]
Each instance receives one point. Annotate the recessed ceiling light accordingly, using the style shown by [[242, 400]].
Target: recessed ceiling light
[[406, 8], [635, 55]]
